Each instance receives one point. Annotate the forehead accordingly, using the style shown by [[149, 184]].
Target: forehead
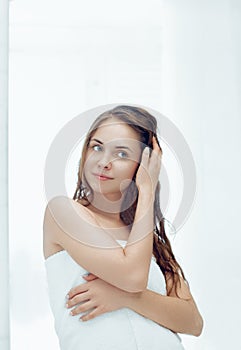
[[113, 130]]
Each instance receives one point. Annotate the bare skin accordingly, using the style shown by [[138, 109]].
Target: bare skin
[[180, 314], [58, 234], [109, 290]]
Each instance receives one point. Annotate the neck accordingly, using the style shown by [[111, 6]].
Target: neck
[[107, 206]]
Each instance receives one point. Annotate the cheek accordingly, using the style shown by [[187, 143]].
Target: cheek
[[90, 159], [88, 166], [129, 170]]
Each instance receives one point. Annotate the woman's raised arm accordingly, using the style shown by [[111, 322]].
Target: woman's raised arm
[[126, 268], [68, 224]]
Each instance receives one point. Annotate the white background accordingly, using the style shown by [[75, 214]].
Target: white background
[[181, 58]]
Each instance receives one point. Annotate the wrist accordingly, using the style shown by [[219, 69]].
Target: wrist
[[146, 194]]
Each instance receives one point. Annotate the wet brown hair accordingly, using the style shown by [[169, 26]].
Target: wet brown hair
[[145, 125]]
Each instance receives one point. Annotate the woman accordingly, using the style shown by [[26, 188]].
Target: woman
[[114, 229]]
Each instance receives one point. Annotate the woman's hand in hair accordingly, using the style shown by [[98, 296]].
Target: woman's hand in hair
[[148, 173]]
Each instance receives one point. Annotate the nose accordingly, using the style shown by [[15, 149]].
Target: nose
[[104, 162]]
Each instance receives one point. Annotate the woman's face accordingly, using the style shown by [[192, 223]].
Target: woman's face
[[112, 158]]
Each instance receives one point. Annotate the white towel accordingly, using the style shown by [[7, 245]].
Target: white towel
[[121, 329]]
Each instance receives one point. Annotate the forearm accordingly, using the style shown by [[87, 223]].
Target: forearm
[[176, 314], [144, 218], [140, 241], [143, 225], [124, 268]]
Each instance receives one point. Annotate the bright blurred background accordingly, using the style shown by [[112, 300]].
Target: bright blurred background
[[181, 58]]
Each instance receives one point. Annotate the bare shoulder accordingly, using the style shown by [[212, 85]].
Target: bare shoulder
[[50, 247], [60, 206], [59, 202], [59, 210]]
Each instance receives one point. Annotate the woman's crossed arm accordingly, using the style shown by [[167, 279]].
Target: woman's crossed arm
[[177, 313]]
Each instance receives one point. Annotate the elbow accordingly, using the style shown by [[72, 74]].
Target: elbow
[[193, 325], [197, 331]]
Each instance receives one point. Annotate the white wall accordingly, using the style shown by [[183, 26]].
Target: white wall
[[4, 239], [181, 58], [202, 58]]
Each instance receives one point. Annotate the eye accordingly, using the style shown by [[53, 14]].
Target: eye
[[122, 154], [96, 148]]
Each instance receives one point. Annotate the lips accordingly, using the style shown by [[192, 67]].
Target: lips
[[103, 177]]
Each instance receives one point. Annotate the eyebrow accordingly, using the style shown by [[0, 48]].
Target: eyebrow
[[117, 147]]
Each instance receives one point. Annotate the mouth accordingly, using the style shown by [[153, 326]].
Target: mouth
[[103, 177]]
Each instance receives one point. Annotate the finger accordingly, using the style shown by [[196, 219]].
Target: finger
[[87, 306], [156, 153], [77, 290], [90, 277], [145, 157], [96, 312], [156, 147], [155, 144], [77, 299]]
